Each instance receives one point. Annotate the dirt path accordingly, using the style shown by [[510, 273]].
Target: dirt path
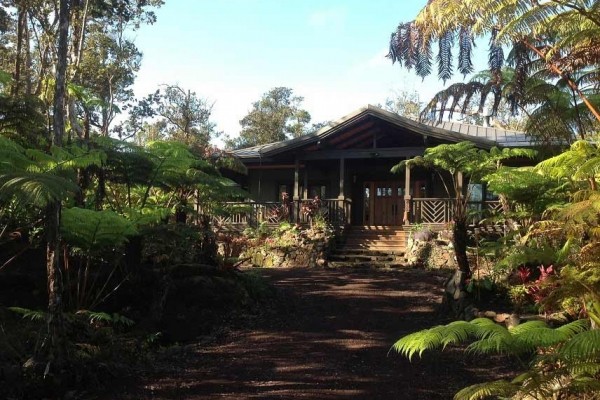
[[331, 343]]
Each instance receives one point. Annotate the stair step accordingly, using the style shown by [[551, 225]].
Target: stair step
[[358, 251], [361, 258], [338, 264]]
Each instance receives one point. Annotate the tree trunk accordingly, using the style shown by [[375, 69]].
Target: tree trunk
[[21, 27], [460, 237], [456, 299], [56, 329], [61, 73]]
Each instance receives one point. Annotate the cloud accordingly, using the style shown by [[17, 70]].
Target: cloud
[[332, 18]]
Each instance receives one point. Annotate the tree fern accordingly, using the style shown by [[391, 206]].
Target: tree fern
[[95, 230]]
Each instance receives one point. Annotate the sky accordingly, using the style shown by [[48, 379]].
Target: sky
[[231, 52]]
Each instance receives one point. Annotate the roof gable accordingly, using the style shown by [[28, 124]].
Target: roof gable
[[357, 123]]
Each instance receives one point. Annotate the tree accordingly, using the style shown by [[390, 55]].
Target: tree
[[53, 263], [186, 116], [404, 103], [453, 163], [172, 113], [551, 40], [276, 116]]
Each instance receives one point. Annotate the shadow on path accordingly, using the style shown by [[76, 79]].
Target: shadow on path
[[332, 343]]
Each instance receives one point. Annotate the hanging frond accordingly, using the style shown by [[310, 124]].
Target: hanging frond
[[409, 46], [444, 57], [495, 58], [465, 48], [424, 58]]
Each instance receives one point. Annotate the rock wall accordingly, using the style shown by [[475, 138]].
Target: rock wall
[[306, 253], [433, 253]]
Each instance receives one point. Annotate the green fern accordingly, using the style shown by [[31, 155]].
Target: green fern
[[38, 189], [95, 230], [584, 346], [111, 319], [33, 315], [501, 388], [571, 356]]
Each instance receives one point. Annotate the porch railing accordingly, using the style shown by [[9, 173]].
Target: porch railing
[[441, 211], [334, 211], [337, 212]]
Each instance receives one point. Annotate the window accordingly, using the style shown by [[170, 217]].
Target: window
[[383, 192], [476, 191]]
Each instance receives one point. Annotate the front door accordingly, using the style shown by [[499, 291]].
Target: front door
[[383, 203]]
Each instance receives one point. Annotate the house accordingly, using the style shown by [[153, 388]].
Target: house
[[347, 165]]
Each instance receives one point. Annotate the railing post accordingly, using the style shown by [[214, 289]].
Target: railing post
[[348, 211]]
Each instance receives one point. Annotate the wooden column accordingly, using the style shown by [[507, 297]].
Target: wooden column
[[341, 195], [296, 198], [407, 196], [342, 173], [305, 189]]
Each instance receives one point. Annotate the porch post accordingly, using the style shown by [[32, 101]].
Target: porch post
[[305, 188], [407, 196], [339, 218], [342, 172], [296, 198]]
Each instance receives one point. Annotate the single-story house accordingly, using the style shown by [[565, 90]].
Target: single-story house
[[347, 165]]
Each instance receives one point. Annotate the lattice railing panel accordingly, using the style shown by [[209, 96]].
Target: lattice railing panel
[[433, 211]]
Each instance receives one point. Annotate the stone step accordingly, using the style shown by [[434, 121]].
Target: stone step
[[383, 265], [359, 252], [376, 237], [361, 258], [376, 240]]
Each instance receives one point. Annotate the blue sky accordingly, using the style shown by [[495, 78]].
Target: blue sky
[[331, 52]]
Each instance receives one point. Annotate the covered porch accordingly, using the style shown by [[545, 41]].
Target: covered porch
[[345, 167]]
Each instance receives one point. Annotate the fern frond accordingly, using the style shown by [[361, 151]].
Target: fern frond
[[584, 346], [584, 368], [419, 342], [112, 319], [38, 189], [95, 230], [500, 388], [33, 315]]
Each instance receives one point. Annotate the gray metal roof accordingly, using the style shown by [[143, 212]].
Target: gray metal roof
[[485, 137], [502, 137]]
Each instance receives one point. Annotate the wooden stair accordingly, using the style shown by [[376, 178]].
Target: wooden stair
[[373, 246]]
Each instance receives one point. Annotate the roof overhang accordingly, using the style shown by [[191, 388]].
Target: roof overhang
[[265, 152]]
